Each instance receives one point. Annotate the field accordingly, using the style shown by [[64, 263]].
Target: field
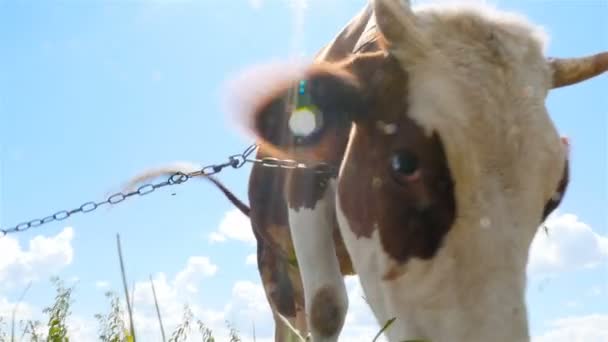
[[116, 324], [112, 327]]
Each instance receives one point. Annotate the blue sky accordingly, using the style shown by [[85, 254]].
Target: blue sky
[[93, 92]]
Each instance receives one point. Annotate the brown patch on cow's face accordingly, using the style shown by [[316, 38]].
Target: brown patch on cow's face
[[396, 178], [369, 90]]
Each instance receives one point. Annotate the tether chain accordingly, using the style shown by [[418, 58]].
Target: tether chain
[[235, 161]]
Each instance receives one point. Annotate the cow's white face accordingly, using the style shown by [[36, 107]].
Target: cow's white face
[[451, 165], [455, 149]]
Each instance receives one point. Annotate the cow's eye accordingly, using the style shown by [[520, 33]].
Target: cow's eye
[[404, 163]]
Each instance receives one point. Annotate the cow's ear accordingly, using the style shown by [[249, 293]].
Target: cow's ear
[[303, 113]]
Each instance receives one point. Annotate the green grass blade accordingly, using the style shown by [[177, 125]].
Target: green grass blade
[[386, 326], [14, 313], [124, 283], [160, 321]]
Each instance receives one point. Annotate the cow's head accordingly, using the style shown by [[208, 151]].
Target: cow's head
[[452, 157]]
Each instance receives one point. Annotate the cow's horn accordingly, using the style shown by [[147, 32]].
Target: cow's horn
[[568, 71], [397, 23]]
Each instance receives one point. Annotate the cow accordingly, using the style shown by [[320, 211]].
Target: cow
[[447, 163]]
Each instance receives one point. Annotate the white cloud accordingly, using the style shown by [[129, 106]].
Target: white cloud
[[252, 259], [595, 291], [216, 237], [197, 268], [163, 288], [102, 284], [246, 305], [172, 295], [185, 283], [81, 329], [234, 226], [570, 244], [590, 328], [256, 4], [24, 310], [246, 308], [44, 257]]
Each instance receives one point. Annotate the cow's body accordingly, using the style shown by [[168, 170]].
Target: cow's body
[[448, 162]]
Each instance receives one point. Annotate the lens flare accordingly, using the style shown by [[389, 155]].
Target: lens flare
[[303, 122]]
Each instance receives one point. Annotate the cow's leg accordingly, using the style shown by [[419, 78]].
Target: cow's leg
[[296, 281], [312, 225], [283, 333], [276, 256], [279, 288]]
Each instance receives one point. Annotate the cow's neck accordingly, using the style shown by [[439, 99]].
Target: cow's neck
[[474, 299], [453, 297], [472, 288], [496, 312]]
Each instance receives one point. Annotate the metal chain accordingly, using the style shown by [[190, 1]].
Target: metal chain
[[235, 161]]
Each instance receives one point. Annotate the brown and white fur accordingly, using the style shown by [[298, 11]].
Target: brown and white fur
[[461, 90], [443, 250]]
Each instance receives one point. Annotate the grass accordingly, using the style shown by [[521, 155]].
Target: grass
[[131, 333], [112, 326]]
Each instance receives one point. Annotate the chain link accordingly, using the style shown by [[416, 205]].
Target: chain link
[[235, 161]]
